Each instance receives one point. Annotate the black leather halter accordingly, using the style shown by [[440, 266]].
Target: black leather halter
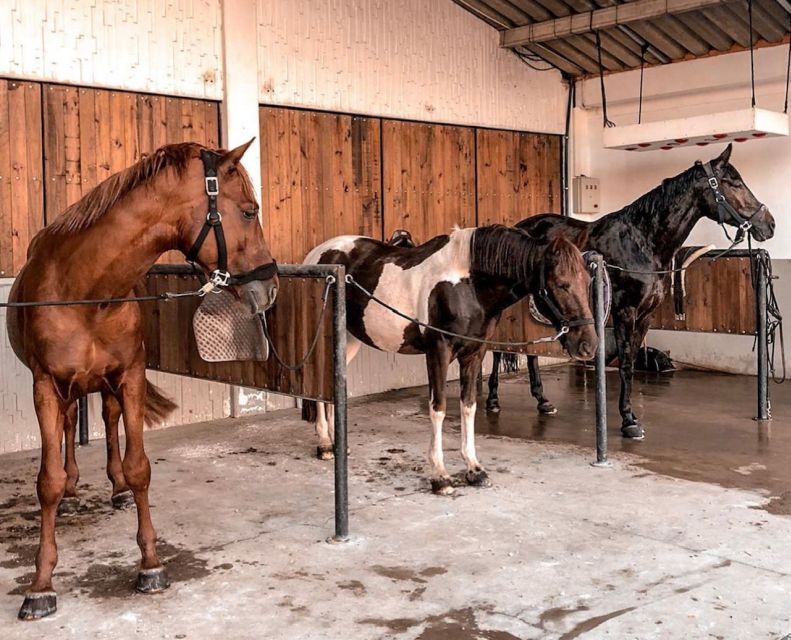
[[221, 277], [725, 212], [556, 315]]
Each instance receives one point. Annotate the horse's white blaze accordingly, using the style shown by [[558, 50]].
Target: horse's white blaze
[[435, 454], [408, 290], [339, 243], [468, 436]]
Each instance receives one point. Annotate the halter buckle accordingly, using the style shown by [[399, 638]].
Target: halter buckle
[[214, 218], [746, 226], [212, 186], [714, 183], [220, 278]]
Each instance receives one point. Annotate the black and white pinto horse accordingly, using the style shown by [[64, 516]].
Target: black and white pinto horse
[[642, 238], [460, 283]]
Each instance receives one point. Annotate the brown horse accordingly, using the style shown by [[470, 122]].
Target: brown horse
[[99, 248]]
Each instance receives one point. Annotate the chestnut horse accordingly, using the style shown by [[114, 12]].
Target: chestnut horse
[[99, 248], [460, 284]]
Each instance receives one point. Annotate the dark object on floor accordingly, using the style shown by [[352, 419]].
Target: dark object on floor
[[651, 359]]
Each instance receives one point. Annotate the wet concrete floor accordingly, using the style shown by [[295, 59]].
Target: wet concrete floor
[[555, 549], [699, 425]]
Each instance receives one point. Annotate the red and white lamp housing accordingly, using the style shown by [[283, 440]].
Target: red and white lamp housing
[[729, 126]]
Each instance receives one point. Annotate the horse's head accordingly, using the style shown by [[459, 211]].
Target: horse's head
[[220, 229], [562, 295], [735, 205]]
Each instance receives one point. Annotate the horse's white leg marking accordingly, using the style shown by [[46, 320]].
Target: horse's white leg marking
[[435, 454], [322, 426], [352, 349], [468, 436]]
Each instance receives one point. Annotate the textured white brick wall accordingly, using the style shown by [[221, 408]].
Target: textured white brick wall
[[414, 59], [158, 46]]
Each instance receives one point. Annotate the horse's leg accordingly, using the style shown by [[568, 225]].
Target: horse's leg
[[468, 369], [493, 400], [122, 496], [151, 577], [624, 329], [437, 360], [545, 407], [70, 502], [325, 413], [40, 599]]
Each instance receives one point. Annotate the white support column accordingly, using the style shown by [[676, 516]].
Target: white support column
[[240, 102]]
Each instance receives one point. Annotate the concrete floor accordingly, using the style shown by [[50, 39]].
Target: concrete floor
[[555, 549]]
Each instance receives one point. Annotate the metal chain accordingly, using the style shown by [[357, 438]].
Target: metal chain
[[301, 364], [493, 343]]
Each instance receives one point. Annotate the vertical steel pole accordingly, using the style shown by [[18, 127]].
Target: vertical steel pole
[[601, 380], [341, 446], [82, 420], [763, 345]]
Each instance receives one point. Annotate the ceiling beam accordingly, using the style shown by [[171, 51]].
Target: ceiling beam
[[604, 18]]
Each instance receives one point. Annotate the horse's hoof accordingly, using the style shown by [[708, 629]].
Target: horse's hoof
[[547, 409], [69, 505], [442, 486], [325, 452], [152, 580], [38, 605], [123, 500], [478, 478], [492, 406], [632, 431]]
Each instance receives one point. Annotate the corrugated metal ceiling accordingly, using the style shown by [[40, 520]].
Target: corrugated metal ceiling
[[667, 38]]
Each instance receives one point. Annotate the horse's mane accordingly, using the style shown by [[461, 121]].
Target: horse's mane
[[99, 200], [510, 253], [660, 197]]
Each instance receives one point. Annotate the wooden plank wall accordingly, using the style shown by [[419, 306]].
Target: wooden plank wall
[[320, 178], [719, 299], [429, 178], [21, 177], [293, 322], [57, 142]]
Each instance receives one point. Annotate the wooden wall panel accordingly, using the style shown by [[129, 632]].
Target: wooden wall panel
[[293, 321], [90, 134], [719, 299], [21, 191], [320, 177], [518, 175], [429, 178]]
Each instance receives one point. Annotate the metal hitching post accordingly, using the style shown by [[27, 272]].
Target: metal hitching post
[[341, 467], [763, 346], [82, 420], [601, 381]]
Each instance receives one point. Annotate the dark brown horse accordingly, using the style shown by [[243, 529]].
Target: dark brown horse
[[100, 248]]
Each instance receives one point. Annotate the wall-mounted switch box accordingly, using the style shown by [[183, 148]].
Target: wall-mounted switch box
[[586, 194]]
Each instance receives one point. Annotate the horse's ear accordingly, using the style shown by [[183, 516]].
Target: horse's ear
[[581, 239], [725, 156], [233, 157]]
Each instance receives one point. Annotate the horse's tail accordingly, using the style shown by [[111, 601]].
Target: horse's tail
[[158, 405], [309, 411]]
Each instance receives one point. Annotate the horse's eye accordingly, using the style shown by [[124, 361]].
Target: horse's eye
[[251, 214]]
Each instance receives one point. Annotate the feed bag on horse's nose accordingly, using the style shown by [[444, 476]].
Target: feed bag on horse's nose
[[225, 330]]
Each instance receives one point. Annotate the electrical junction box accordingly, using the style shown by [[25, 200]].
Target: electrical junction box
[[586, 194]]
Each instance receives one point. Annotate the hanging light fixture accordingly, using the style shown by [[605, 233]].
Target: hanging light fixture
[[713, 128]]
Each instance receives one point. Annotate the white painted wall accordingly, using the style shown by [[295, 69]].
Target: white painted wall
[[710, 85], [157, 46], [414, 59]]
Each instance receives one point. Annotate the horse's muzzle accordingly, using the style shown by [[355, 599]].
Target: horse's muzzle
[[763, 225], [260, 294]]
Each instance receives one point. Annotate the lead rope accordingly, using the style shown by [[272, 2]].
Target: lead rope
[[752, 56], [320, 323], [167, 296], [788, 65], [643, 49], [492, 343]]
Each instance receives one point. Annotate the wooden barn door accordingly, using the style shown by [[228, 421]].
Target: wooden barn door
[[429, 178], [21, 178], [518, 176], [320, 177]]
